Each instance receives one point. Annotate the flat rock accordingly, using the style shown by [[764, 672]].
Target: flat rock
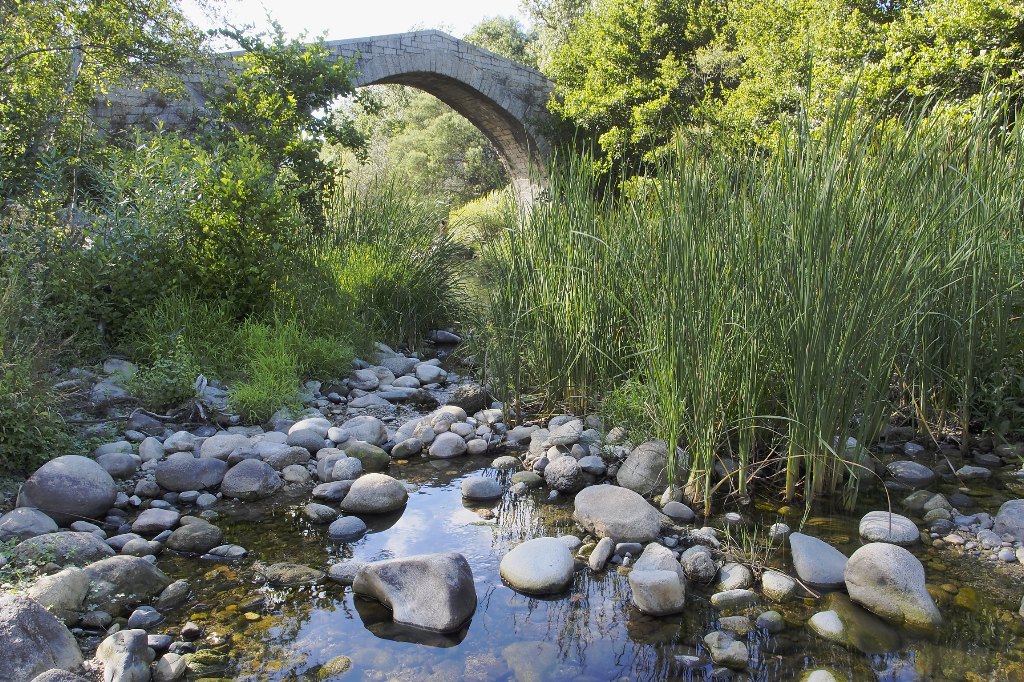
[[890, 581], [76, 549], [618, 513], [733, 599], [481, 488], [153, 521], [882, 526], [183, 472], [430, 591], [23, 523], [344, 572], [285, 574], [911, 474], [538, 566], [68, 489], [195, 538], [375, 494], [816, 562]]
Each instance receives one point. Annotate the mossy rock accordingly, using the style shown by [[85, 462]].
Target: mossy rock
[[531, 479], [204, 661], [371, 457], [968, 599], [334, 667]]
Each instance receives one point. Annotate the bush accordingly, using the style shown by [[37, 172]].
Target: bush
[[169, 381]]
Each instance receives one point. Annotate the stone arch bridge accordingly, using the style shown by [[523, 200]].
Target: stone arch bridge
[[503, 99]]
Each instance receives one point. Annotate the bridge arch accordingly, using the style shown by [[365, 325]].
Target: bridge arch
[[505, 100]]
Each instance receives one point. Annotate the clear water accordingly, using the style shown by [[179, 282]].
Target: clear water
[[591, 632]]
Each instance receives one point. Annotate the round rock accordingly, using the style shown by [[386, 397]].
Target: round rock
[[447, 445], [539, 566], [68, 488], [346, 529], [195, 538], [564, 475], [817, 562], [251, 479], [882, 526], [375, 494], [480, 488], [618, 513], [890, 581]]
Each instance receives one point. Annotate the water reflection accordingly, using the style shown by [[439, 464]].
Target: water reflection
[[377, 619]]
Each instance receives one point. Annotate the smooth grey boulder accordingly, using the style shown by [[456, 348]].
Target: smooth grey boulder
[[375, 494], [564, 474], [698, 564], [345, 572], [430, 374], [657, 582], [1010, 519], [346, 469], [33, 640], [63, 593], [346, 529], [325, 464], [151, 450], [733, 576], [678, 512], [368, 429], [332, 492], [195, 538], [144, 618], [538, 566], [23, 523], [286, 457], [122, 580], [911, 474], [480, 488], [430, 591], [251, 479], [183, 472], [119, 465], [125, 656], [890, 581], [68, 489], [566, 434], [363, 380], [407, 448], [153, 521], [180, 441], [447, 445], [305, 438], [220, 445], [319, 513], [470, 397], [318, 425], [817, 562], [399, 366], [882, 526], [77, 549], [618, 513], [646, 469], [173, 595]]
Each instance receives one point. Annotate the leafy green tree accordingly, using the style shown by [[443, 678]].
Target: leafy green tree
[[57, 55], [505, 36], [280, 98], [634, 70], [555, 21]]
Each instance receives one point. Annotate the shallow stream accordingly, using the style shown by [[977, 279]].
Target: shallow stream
[[591, 632]]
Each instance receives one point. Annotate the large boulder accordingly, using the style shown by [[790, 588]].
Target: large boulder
[[125, 656], [883, 526], [182, 471], [33, 640], [470, 397], [195, 538], [431, 591], [817, 562], [68, 489], [538, 566], [564, 474], [368, 429], [618, 513], [370, 457], [911, 474], [62, 593], [1010, 519], [23, 523], [657, 582], [221, 445], [153, 521], [646, 469], [447, 445], [318, 425], [889, 581], [77, 549], [251, 479], [375, 494], [305, 438], [119, 465], [122, 580], [287, 456]]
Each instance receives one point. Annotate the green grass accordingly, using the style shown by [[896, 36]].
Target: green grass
[[772, 306]]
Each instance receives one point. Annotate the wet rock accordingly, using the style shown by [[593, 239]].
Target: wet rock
[[890, 581], [733, 599], [125, 656], [564, 475], [528, 478], [227, 552], [972, 473], [169, 668], [599, 557], [409, 447], [657, 582], [733, 576], [195, 538], [319, 513], [911, 474], [23, 523], [538, 566], [531, 661], [345, 572], [447, 445], [120, 580], [182, 472], [371, 457], [285, 574], [777, 586], [817, 562], [144, 617], [431, 591], [332, 492], [848, 624], [63, 593], [173, 595], [882, 526], [77, 549], [698, 564], [618, 513], [367, 429], [250, 480], [153, 521], [480, 488], [336, 666], [346, 529], [727, 651], [646, 468], [69, 488], [507, 462], [1010, 519], [771, 621], [739, 626], [34, 641], [375, 494]]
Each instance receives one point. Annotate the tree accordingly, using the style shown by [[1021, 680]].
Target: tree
[[554, 21], [280, 99], [505, 36], [57, 55], [634, 70]]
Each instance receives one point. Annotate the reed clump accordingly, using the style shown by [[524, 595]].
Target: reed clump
[[776, 305]]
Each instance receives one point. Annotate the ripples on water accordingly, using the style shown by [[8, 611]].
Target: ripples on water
[[591, 632]]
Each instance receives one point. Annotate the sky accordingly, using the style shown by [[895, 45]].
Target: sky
[[359, 18]]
